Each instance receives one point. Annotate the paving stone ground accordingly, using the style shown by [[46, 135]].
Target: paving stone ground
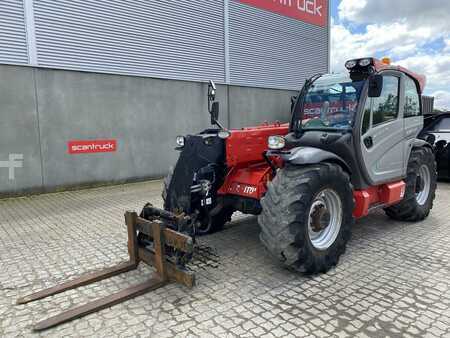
[[394, 279]]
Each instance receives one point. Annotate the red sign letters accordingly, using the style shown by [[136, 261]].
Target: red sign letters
[[94, 146], [310, 11]]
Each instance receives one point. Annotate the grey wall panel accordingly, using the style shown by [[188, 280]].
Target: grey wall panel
[[273, 51], [144, 115], [13, 40], [181, 39], [252, 106], [19, 131]]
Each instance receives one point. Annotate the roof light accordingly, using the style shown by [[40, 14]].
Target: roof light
[[386, 61], [365, 62], [351, 64]]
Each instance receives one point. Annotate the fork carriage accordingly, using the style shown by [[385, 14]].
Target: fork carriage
[[166, 272]]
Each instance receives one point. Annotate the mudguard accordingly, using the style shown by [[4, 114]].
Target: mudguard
[[417, 143], [311, 155]]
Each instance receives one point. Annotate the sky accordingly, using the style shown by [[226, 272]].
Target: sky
[[413, 33]]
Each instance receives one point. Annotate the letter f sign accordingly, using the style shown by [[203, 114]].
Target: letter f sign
[[14, 161]]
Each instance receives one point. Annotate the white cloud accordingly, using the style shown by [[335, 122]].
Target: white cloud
[[404, 30], [442, 100], [433, 13], [394, 40]]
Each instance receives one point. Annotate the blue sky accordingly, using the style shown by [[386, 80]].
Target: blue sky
[[413, 33]]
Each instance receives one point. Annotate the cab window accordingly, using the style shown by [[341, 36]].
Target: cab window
[[412, 100], [385, 107], [379, 110]]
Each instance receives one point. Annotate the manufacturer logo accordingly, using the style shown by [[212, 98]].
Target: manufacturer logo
[[249, 190], [96, 146], [310, 11], [14, 161]]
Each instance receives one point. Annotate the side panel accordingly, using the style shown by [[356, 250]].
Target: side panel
[[377, 196], [249, 182], [247, 145], [385, 159]]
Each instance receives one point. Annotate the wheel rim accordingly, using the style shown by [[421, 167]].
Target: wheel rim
[[424, 177], [325, 219]]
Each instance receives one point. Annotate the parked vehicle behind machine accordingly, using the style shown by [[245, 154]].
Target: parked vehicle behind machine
[[437, 133]]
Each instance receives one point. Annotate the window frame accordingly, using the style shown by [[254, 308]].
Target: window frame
[[419, 95], [372, 125], [370, 101]]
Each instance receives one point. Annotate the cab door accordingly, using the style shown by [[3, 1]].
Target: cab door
[[382, 136], [412, 115]]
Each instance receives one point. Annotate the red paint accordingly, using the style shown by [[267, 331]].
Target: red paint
[[247, 145], [385, 195], [248, 181], [421, 79], [311, 11], [249, 171], [92, 146]]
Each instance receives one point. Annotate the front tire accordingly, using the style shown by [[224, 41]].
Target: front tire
[[420, 191], [307, 216]]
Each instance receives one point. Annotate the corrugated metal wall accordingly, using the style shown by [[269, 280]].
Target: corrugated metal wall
[[180, 39], [270, 50], [183, 39], [427, 104], [13, 38]]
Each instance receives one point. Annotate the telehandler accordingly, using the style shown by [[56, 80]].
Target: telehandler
[[351, 147]]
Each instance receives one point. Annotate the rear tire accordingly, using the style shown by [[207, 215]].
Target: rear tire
[[208, 224], [420, 187], [298, 213]]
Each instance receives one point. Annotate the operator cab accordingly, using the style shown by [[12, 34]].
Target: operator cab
[[366, 119]]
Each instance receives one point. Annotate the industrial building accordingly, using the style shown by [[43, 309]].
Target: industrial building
[[95, 91]]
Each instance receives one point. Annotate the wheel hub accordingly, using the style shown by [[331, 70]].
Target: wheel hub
[[319, 217], [325, 219]]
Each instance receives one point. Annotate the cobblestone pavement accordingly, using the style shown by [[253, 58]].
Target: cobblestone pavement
[[394, 279]]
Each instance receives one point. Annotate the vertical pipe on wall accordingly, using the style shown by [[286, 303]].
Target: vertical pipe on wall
[[30, 31], [329, 36], [226, 40]]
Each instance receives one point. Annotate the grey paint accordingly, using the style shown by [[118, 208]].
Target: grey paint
[[181, 39], [193, 40], [252, 106], [19, 129], [272, 51], [13, 42], [143, 114], [427, 104], [310, 155]]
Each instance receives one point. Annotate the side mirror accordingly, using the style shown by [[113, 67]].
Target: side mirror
[[375, 85], [214, 113]]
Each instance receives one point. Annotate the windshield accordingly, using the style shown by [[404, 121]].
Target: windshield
[[331, 102]]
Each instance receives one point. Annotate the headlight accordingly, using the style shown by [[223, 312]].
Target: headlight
[[180, 141], [224, 134], [365, 62], [276, 142], [350, 64]]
